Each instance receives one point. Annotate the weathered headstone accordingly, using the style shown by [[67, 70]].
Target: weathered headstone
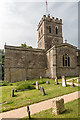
[[47, 82], [63, 81], [72, 83], [37, 85], [42, 90], [28, 110], [58, 106], [41, 78], [56, 81], [12, 92], [78, 80]]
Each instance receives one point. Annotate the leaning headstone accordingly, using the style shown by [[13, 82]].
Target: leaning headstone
[[12, 92], [28, 110], [56, 81], [63, 81], [41, 78], [47, 82], [78, 80], [58, 106], [72, 83], [37, 85], [42, 90]]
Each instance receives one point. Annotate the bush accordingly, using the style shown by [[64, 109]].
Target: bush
[[25, 85], [43, 82], [2, 83]]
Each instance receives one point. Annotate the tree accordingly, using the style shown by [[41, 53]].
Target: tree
[[2, 64], [23, 45]]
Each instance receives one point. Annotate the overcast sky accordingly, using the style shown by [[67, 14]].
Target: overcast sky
[[19, 20]]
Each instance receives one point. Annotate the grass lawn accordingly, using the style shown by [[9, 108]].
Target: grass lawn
[[71, 111], [75, 81], [24, 98], [59, 80]]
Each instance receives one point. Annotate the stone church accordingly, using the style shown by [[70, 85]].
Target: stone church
[[52, 57]]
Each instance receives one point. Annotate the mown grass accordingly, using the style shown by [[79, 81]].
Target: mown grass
[[24, 98], [71, 111], [75, 81]]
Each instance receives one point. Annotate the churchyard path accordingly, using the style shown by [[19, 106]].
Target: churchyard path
[[72, 78], [37, 107]]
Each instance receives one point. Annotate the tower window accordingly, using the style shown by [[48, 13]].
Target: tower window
[[56, 30], [49, 29], [66, 60]]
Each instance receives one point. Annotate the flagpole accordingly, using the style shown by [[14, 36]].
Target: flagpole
[[46, 8]]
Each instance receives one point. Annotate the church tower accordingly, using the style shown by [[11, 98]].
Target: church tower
[[49, 32]]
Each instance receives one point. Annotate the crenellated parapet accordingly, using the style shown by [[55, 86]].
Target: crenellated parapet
[[49, 19]]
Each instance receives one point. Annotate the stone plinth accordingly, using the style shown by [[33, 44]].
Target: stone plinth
[[58, 106]]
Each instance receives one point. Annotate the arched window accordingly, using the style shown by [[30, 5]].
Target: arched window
[[56, 30], [66, 60], [49, 29]]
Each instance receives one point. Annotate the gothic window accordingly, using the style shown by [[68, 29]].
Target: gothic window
[[66, 60], [56, 30], [49, 29]]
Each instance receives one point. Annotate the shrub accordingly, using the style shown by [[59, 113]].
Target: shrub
[[2, 83], [25, 85], [43, 82]]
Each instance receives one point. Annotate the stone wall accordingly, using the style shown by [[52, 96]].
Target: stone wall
[[24, 63], [72, 70], [46, 40], [51, 63]]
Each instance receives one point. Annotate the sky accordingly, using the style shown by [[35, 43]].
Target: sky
[[19, 20]]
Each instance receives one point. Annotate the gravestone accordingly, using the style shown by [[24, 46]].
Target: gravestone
[[72, 83], [56, 81], [37, 85], [12, 92], [58, 106], [47, 82], [42, 90], [41, 78], [78, 80], [63, 81], [28, 110]]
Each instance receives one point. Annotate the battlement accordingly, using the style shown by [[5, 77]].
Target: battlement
[[49, 19]]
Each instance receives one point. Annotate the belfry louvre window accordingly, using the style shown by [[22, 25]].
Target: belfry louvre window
[[49, 29], [66, 60], [56, 30]]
